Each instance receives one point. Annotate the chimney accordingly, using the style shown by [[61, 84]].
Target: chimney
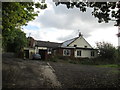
[[80, 34]]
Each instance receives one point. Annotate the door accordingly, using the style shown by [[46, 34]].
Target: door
[[26, 53], [43, 54]]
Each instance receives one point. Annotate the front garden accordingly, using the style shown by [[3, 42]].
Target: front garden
[[108, 55]]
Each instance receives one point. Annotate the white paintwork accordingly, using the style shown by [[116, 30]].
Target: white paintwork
[[26, 48], [44, 48], [31, 52], [85, 53], [68, 50], [80, 42]]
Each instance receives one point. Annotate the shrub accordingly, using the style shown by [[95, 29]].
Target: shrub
[[53, 59], [107, 52], [73, 61]]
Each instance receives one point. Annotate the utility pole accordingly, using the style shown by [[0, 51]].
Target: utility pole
[[119, 35], [118, 44]]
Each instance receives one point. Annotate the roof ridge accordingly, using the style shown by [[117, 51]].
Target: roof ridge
[[70, 39], [67, 42], [46, 41]]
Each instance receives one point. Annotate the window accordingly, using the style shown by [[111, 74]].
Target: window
[[66, 52], [85, 46], [54, 52], [49, 50], [78, 53], [92, 53], [75, 45]]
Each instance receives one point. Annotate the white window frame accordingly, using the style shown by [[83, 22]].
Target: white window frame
[[49, 50], [79, 52], [66, 52], [92, 53]]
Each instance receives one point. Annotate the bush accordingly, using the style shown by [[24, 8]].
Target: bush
[[87, 61], [53, 59], [72, 61], [107, 52], [96, 61]]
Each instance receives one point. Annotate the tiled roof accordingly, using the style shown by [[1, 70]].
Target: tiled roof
[[66, 43], [55, 45], [47, 44]]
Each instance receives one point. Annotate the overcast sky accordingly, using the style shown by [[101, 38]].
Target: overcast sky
[[57, 24]]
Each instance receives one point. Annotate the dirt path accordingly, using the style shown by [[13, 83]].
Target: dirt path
[[18, 73]]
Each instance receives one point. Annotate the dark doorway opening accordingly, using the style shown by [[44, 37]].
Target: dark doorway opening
[[26, 52], [42, 53]]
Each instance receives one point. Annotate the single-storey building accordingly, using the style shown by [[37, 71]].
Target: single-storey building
[[77, 47], [46, 48]]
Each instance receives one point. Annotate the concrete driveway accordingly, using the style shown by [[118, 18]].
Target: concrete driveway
[[18, 73]]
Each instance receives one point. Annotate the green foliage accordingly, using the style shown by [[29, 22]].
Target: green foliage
[[107, 51], [17, 43], [108, 65], [104, 11], [118, 54], [72, 61], [15, 15], [53, 59]]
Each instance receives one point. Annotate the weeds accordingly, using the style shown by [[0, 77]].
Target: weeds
[[84, 61], [109, 65]]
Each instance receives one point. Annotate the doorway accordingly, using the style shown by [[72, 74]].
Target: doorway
[[43, 54], [26, 52]]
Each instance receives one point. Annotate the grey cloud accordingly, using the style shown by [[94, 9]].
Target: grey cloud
[[64, 18], [74, 34], [61, 18], [85, 17], [70, 19]]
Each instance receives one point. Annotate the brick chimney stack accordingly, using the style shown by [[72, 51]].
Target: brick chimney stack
[[80, 34]]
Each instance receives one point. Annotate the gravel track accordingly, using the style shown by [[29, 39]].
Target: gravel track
[[86, 76], [18, 73]]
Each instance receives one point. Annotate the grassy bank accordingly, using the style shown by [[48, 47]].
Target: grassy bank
[[109, 65], [86, 61]]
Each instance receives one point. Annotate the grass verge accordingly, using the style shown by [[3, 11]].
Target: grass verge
[[109, 65]]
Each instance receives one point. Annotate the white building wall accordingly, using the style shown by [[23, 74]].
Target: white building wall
[[37, 49], [44, 48], [80, 42], [86, 53], [31, 52]]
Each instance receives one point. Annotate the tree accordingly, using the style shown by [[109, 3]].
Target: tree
[[106, 51], [15, 15], [16, 44], [104, 11]]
